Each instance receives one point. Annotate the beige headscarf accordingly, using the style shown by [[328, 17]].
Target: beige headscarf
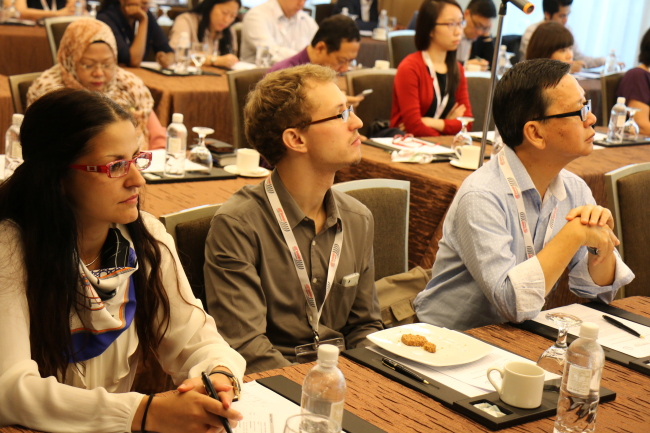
[[125, 88]]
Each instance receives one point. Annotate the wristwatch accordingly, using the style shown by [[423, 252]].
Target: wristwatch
[[593, 250], [236, 386]]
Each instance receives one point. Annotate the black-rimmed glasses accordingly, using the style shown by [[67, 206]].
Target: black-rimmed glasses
[[119, 168], [345, 115], [582, 113]]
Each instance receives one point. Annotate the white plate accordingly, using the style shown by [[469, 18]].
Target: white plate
[[453, 348], [260, 172], [456, 163]]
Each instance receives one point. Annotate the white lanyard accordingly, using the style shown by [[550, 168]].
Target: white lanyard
[[290, 239], [365, 10], [46, 7], [523, 219], [442, 102]]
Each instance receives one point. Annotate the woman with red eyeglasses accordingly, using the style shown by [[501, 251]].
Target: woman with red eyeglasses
[[430, 90], [89, 285]]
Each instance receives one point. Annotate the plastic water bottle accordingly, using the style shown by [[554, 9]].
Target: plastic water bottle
[[176, 147], [611, 64], [13, 148], [616, 121], [323, 391], [383, 20], [78, 9], [182, 54], [503, 61], [580, 391]]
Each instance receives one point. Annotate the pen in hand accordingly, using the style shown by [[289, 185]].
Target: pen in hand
[[394, 365], [209, 389], [622, 326]]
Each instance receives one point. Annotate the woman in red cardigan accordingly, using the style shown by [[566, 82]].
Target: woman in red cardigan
[[430, 90]]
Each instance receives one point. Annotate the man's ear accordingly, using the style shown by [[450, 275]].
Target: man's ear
[[294, 140], [321, 47], [534, 134]]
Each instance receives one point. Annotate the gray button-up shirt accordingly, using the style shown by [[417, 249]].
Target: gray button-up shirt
[[252, 287]]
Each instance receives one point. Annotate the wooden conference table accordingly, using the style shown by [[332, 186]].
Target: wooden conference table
[[397, 409], [6, 108], [23, 49]]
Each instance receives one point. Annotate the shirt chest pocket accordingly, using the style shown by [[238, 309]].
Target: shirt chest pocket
[[338, 305]]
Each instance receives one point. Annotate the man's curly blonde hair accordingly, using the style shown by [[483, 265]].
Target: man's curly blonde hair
[[279, 101]]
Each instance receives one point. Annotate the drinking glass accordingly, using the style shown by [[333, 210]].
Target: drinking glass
[[93, 8], [198, 54], [311, 423], [392, 23], [552, 359], [630, 128], [199, 153], [164, 19], [263, 57], [463, 138]]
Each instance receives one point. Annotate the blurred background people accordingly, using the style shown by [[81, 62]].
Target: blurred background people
[[430, 90], [37, 9], [133, 46], [552, 40], [280, 25], [476, 45], [366, 12], [635, 86], [87, 59], [211, 24]]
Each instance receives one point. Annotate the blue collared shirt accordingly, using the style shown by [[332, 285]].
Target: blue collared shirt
[[481, 275]]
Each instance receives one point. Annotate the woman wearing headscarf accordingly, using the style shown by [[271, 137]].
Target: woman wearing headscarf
[[87, 59]]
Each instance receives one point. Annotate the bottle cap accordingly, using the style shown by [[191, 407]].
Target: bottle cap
[[17, 119], [620, 100], [587, 330], [177, 118], [328, 353]]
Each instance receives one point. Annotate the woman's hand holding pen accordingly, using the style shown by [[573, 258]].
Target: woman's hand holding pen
[[190, 410]]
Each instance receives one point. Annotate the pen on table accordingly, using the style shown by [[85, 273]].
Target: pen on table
[[622, 326], [394, 365], [209, 389]]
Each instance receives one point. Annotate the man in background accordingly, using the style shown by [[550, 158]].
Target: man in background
[[280, 25], [558, 11], [476, 45], [366, 12]]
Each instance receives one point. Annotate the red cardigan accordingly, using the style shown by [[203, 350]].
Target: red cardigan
[[413, 95]]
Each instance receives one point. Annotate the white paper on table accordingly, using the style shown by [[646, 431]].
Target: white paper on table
[[609, 336], [264, 410], [241, 66], [479, 135], [469, 379], [426, 147], [158, 163], [151, 65]]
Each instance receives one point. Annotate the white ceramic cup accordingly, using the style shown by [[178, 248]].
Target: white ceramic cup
[[380, 34], [382, 64], [522, 384], [468, 156], [248, 160]]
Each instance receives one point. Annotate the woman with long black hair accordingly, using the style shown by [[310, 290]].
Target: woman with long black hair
[[211, 24], [89, 285]]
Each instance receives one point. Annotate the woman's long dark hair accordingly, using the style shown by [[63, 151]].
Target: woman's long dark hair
[[204, 9], [55, 132], [547, 39], [427, 17]]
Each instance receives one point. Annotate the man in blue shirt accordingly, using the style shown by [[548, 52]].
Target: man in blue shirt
[[520, 220]]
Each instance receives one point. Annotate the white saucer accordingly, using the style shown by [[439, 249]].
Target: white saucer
[[260, 172], [456, 163]]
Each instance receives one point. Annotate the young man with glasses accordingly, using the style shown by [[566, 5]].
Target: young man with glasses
[[558, 11], [520, 220], [476, 45], [289, 262]]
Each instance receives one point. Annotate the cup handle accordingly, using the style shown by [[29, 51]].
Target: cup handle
[[458, 152], [490, 370]]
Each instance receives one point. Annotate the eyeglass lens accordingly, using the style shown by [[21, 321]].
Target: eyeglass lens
[[121, 168]]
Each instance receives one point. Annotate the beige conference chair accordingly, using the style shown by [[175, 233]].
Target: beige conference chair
[[608, 86], [628, 189], [55, 28], [401, 43], [189, 228], [19, 85], [378, 104], [240, 84], [479, 90]]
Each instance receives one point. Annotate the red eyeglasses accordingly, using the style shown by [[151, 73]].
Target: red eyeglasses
[[119, 168]]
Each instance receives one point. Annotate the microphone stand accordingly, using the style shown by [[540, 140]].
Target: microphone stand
[[493, 80]]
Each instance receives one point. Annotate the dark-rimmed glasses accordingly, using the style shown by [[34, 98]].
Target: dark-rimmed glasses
[[119, 168], [345, 115], [452, 26], [480, 27], [582, 113]]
